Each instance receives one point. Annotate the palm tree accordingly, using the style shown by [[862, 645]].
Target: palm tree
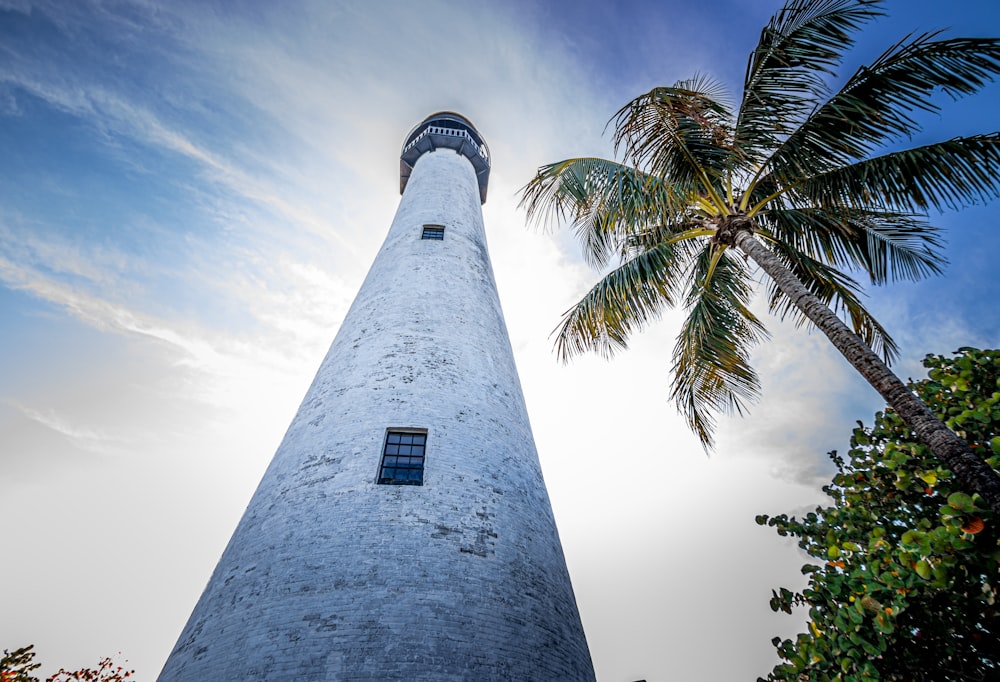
[[796, 179]]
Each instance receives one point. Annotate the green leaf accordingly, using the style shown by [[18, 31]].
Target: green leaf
[[961, 502], [923, 569]]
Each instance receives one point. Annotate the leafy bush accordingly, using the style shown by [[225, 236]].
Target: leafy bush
[[907, 564]]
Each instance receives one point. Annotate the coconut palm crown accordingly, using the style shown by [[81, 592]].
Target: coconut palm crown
[[796, 179]]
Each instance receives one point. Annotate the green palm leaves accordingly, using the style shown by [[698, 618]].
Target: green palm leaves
[[808, 170], [786, 73]]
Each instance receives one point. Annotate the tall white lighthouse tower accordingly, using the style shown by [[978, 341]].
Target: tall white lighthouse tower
[[403, 530]]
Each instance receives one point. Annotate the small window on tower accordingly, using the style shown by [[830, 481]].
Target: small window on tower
[[403, 458], [433, 232]]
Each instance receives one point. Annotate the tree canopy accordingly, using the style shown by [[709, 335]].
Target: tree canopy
[[903, 585], [802, 178], [19, 665]]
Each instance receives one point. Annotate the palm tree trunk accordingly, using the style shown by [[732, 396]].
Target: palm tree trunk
[[971, 471]]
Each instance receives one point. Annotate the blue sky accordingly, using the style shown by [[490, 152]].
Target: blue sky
[[190, 195]]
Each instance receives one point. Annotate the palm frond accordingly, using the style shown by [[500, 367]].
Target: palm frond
[[786, 72], [837, 291], [902, 248], [887, 246], [604, 201], [875, 105], [624, 300], [950, 174], [682, 132], [711, 360]]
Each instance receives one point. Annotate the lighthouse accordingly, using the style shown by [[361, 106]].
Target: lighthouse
[[402, 530]]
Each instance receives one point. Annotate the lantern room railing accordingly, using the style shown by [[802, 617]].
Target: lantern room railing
[[449, 130]]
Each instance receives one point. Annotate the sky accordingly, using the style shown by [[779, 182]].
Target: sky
[[190, 196]]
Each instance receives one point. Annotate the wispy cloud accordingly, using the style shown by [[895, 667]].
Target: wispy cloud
[[114, 115], [97, 264], [84, 437], [101, 313], [292, 321]]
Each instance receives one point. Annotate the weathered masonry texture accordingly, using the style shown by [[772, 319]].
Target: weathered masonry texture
[[330, 576]]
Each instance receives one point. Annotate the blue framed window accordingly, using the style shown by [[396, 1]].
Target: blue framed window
[[433, 232], [403, 458]]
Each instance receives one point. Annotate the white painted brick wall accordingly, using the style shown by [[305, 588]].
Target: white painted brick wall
[[332, 577]]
